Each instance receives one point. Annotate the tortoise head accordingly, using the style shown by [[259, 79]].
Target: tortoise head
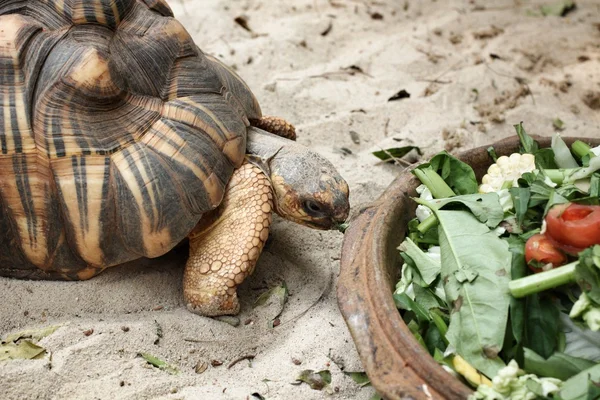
[[307, 188]]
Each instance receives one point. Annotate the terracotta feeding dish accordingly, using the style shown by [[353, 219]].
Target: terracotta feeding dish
[[399, 368]]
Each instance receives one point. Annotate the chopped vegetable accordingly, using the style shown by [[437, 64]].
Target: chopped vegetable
[[506, 171], [562, 153], [581, 149], [572, 175], [512, 383], [574, 226], [423, 212], [455, 174], [540, 249], [543, 281], [585, 309], [469, 373], [434, 182]]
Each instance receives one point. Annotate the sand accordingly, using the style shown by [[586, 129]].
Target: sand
[[472, 71]]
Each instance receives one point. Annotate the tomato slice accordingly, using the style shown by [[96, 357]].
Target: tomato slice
[[542, 250], [573, 227]]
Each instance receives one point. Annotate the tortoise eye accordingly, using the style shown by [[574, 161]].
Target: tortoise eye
[[312, 207]]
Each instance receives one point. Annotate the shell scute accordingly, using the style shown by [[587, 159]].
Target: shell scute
[[108, 13], [148, 224], [196, 162]]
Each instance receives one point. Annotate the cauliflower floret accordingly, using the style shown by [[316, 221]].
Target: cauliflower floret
[[506, 169], [423, 212], [586, 310], [511, 384]]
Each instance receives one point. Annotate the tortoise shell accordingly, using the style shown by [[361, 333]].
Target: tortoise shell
[[117, 133]]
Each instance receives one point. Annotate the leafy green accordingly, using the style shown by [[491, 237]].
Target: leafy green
[[316, 380], [544, 159], [582, 343], [158, 363], [24, 349], [541, 325], [475, 272], [558, 365], [360, 378], [278, 292], [492, 152], [457, 174], [558, 9], [542, 193], [406, 303], [21, 345], [434, 339], [485, 207], [427, 298], [276, 298], [587, 272], [395, 152], [428, 268], [34, 334], [520, 197], [518, 270], [577, 387], [562, 153], [415, 329], [528, 145]]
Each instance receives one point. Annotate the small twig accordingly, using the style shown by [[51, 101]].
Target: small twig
[[520, 80], [437, 78], [192, 340], [326, 75], [385, 127], [396, 160], [242, 358], [321, 296], [434, 81]]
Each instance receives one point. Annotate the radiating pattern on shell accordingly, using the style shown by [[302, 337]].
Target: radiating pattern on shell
[[116, 133]]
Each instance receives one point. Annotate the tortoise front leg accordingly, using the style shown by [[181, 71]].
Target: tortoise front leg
[[226, 244]]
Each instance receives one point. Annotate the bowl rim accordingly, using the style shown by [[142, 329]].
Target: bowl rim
[[396, 364]]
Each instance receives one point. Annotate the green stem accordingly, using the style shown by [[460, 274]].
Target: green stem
[[437, 186], [580, 149], [440, 324], [570, 175], [543, 281], [556, 175], [427, 224]]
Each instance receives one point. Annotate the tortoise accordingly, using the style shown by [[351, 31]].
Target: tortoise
[[120, 138]]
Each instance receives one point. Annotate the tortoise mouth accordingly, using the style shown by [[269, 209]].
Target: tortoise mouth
[[325, 223]]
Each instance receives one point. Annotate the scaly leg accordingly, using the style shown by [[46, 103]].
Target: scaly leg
[[277, 126], [226, 244]]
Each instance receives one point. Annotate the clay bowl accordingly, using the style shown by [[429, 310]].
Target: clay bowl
[[399, 368]]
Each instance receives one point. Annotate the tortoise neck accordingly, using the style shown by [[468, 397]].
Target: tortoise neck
[[265, 145]]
